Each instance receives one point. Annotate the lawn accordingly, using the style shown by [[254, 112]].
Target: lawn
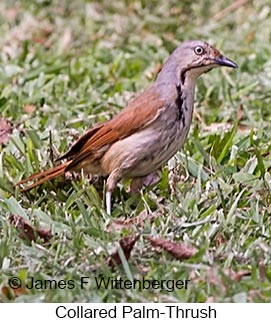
[[67, 65]]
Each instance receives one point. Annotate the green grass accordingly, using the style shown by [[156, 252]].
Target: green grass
[[79, 63]]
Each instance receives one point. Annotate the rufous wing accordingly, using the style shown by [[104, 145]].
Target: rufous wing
[[142, 111]]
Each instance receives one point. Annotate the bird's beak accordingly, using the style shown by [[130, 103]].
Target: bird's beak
[[223, 61]]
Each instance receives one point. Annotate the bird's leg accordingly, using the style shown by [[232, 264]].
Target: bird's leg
[[138, 182], [110, 185], [108, 195]]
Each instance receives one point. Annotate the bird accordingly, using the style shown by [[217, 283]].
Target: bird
[[143, 136]]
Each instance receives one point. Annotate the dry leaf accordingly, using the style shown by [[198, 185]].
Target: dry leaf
[[127, 245], [27, 232], [177, 250], [5, 131]]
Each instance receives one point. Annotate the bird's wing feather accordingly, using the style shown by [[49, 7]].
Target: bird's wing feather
[[142, 111], [80, 143]]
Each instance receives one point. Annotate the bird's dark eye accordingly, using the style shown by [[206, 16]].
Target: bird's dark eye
[[198, 50]]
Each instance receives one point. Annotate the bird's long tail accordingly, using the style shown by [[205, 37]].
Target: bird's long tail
[[45, 176]]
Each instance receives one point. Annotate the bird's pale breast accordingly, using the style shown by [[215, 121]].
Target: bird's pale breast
[[147, 150]]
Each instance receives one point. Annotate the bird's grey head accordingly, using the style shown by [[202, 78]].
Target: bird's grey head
[[192, 58]]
